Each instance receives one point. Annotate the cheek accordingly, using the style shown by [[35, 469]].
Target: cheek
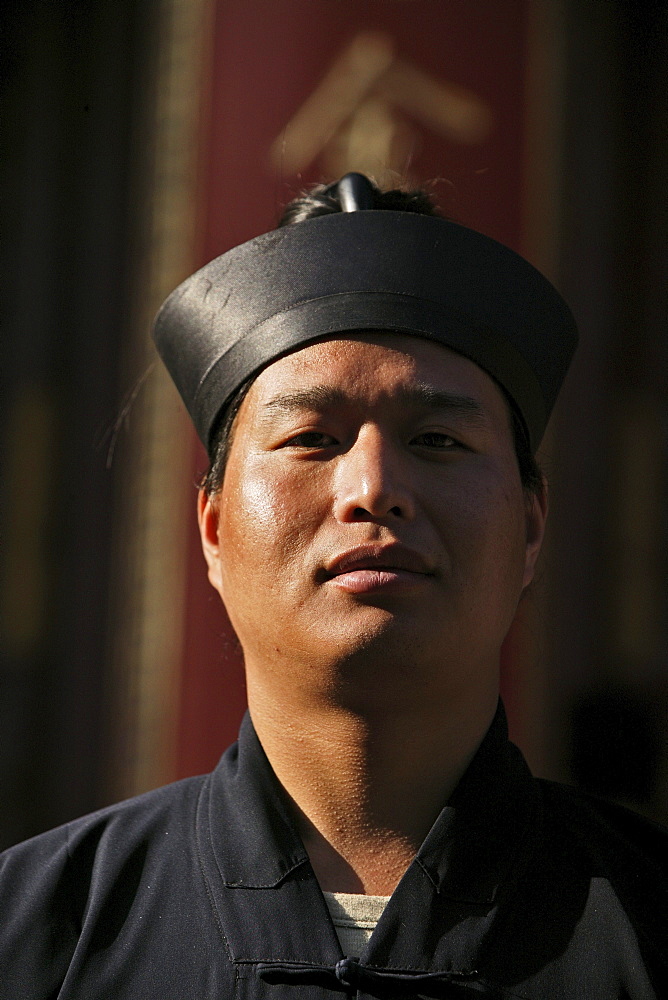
[[267, 519], [484, 523]]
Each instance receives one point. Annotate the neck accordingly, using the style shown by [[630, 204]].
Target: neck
[[367, 785]]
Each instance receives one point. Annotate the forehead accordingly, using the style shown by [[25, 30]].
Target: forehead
[[376, 365]]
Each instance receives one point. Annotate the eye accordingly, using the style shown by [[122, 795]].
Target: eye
[[435, 439], [311, 439]]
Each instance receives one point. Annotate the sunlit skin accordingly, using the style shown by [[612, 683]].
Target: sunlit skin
[[371, 542]]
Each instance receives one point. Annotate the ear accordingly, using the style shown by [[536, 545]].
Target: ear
[[208, 519], [536, 518]]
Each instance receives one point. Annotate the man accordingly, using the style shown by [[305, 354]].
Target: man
[[371, 382]]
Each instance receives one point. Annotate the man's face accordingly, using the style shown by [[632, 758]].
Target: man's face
[[371, 513]]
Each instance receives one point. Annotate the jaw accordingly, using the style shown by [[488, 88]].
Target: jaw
[[370, 662]]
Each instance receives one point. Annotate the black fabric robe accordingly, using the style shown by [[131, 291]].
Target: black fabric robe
[[203, 889]]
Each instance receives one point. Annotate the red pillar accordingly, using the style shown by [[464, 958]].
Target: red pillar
[[438, 89]]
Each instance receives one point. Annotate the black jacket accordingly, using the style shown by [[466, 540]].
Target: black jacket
[[203, 889]]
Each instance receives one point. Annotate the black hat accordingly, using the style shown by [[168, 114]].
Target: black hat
[[362, 269]]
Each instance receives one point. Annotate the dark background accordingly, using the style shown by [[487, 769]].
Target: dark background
[[77, 94]]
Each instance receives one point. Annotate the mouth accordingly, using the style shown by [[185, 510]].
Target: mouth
[[369, 568]]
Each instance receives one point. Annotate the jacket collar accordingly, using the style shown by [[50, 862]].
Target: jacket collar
[[269, 903], [466, 855], [476, 840], [252, 833]]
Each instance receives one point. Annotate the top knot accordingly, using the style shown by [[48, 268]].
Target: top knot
[[356, 193]]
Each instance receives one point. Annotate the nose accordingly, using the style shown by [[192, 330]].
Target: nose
[[372, 481]]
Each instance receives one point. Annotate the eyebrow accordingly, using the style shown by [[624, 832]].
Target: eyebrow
[[318, 397], [322, 397]]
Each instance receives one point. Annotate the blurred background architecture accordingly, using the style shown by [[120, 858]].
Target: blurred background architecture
[[142, 139]]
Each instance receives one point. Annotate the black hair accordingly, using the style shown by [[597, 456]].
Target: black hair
[[221, 439], [323, 199]]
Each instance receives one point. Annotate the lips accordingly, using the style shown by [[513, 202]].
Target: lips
[[393, 559]]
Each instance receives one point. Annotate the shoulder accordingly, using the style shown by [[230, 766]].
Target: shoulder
[[624, 854], [606, 830], [54, 884], [120, 825]]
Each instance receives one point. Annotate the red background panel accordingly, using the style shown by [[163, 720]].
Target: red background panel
[[267, 59]]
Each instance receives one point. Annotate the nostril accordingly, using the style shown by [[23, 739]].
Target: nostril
[[364, 514]]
